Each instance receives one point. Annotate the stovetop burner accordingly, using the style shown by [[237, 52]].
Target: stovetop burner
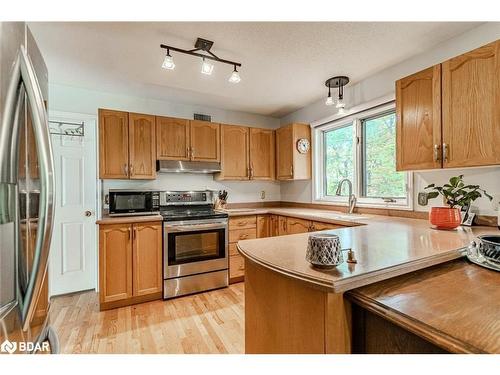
[[178, 213]]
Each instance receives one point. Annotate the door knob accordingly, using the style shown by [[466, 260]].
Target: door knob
[[88, 213]]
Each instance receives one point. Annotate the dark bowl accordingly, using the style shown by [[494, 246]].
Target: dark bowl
[[490, 247]]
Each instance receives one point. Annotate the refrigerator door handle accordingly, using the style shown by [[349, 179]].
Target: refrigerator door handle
[[46, 198]]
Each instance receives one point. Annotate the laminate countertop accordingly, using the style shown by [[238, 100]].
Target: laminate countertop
[[455, 305], [384, 247]]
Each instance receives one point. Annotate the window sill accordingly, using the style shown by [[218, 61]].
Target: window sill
[[386, 206]]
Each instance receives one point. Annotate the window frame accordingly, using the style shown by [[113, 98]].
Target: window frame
[[319, 161]]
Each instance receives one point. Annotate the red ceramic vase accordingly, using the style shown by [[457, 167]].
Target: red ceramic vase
[[445, 217]]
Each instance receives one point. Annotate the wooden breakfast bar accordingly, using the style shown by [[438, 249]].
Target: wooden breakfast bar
[[410, 292]]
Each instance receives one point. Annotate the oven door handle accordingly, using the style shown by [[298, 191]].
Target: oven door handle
[[191, 227]]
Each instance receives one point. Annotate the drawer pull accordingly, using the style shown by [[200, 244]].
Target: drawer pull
[[243, 236], [241, 223]]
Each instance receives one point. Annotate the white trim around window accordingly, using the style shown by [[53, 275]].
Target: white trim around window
[[320, 196]]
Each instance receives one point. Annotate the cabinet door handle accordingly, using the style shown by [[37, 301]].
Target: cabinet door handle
[[251, 170], [125, 169], [445, 152], [437, 148], [192, 152], [291, 170], [187, 152], [131, 169], [129, 234]]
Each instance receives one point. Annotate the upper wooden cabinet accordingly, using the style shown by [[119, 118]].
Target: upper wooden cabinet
[[246, 153], [172, 138], [261, 149], [142, 146], [448, 115], [418, 109], [127, 145], [471, 108], [234, 153], [113, 144], [290, 163], [205, 141]]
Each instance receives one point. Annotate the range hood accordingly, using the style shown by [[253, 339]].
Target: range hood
[[179, 166]]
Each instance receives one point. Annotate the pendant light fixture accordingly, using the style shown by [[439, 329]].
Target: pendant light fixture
[[201, 45], [339, 82]]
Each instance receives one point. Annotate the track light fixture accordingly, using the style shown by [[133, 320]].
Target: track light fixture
[[202, 45], [339, 82]]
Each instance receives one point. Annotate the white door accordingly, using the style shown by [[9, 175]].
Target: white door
[[73, 258]]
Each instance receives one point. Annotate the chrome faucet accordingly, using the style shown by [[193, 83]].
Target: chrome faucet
[[352, 197]]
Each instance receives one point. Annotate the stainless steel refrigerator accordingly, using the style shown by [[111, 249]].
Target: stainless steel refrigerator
[[26, 195]]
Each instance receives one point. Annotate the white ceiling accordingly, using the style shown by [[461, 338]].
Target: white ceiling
[[284, 64]]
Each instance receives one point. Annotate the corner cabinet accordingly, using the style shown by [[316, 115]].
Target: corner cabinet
[[290, 163], [448, 115], [127, 145], [130, 263]]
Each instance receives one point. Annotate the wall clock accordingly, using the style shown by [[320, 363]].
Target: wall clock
[[303, 145]]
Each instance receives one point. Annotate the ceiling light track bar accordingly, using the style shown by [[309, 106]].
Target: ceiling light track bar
[[210, 55]]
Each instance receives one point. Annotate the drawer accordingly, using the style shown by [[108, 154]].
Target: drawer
[[317, 225], [236, 266], [233, 250], [241, 222], [242, 234]]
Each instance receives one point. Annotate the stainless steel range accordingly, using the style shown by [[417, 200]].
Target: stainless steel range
[[195, 243]]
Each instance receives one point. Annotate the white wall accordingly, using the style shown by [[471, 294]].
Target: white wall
[[382, 84], [78, 100]]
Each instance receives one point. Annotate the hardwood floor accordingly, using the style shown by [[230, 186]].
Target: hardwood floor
[[211, 322]]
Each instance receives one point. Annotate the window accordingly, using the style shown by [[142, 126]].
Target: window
[[361, 148]]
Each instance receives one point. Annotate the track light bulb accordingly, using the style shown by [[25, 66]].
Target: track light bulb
[[235, 76], [206, 68], [168, 62]]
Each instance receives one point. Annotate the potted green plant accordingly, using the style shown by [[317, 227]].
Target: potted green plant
[[456, 195]]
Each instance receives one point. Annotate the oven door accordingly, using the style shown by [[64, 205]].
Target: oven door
[[193, 247], [129, 203]]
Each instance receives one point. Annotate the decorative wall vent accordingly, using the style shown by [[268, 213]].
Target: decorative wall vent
[[201, 117]]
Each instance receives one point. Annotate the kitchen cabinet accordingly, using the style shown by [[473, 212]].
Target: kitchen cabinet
[[263, 226], [142, 146], [205, 141], [290, 163], [262, 154], [282, 229], [318, 226], [240, 228], [448, 115], [147, 258], [127, 145], [172, 138], [471, 108], [295, 225], [130, 263], [113, 144], [418, 110], [273, 225], [115, 262], [235, 163]]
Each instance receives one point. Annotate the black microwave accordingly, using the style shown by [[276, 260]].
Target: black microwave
[[132, 202]]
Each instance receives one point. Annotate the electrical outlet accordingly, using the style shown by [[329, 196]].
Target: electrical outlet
[[263, 194], [423, 199]]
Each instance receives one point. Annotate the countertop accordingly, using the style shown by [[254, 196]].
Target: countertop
[[106, 219], [455, 305], [385, 247]]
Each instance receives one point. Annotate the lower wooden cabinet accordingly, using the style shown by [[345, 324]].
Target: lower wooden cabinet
[[282, 229], [263, 226], [273, 225], [130, 261], [318, 225], [295, 225]]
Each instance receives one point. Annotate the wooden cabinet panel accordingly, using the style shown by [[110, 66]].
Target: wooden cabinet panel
[[263, 226], [284, 153], [115, 262], [172, 138], [205, 141], [236, 266], [240, 222], [282, 229], [318, 225], [233, 249], [147, 258], [294, 225], [113, 144], [236, 235], [142, 146], [418, 110], [291, 164], [471, 107], [274, 225], [262, 160], [234, 153]]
